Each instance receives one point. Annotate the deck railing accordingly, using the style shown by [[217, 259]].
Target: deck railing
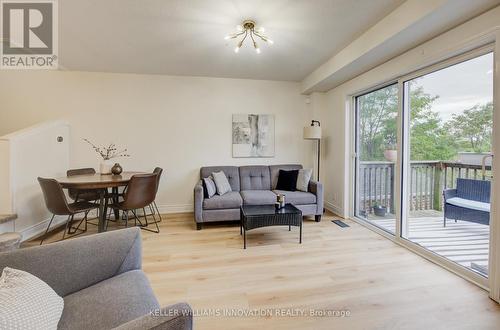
[[427, 179]]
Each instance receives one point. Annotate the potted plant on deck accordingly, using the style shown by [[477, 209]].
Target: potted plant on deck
[[379, 210], [390, 152]]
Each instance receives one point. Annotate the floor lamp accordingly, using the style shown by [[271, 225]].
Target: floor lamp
[[313, 132]]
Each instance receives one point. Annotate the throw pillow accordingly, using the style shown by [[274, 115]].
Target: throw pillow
[[303, 179], [209, 187], [27, 302], [221, 183], [287, 180]]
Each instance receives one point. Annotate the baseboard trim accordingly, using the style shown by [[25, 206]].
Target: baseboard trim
[[39, 228], [333, 208], [180, 208]]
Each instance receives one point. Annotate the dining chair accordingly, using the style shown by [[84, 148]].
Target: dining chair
[[139, 194], [89, 195], [153, 207], [80, 194], [57, 204]]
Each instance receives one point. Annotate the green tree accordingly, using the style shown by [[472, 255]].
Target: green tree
[[429, 139], [378, 125], [473, 128], [377, 117]]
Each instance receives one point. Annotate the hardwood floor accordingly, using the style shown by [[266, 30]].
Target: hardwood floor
[[380, 284]]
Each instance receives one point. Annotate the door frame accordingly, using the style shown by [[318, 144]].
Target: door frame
[[355, 148]]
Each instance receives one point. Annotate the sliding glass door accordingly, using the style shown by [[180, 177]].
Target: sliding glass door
[[436, 125], [376, 137], [448, 142]]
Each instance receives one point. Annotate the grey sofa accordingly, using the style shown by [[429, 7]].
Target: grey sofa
[[101, 281], [252, 185]]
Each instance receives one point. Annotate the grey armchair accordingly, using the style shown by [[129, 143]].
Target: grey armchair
[[101, 281]]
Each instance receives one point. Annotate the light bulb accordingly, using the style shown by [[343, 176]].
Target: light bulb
[[257, 50], [239, 28], [237, 49]]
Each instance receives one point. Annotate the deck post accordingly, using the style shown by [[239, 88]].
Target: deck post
[[391, 187], [438, 187]]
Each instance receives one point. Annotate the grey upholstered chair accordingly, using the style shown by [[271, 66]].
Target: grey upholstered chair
[[101, 281]]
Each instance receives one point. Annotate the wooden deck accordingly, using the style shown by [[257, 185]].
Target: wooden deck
[[463, 242]]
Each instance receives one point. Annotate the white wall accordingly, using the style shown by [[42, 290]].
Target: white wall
[[178, 123], [30, 153], [336, 111]]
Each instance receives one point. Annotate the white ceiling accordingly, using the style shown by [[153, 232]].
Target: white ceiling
[[186, 37]]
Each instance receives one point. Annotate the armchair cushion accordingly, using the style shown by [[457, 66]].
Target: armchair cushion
[[469, 204], [109, 303], [230, 200]]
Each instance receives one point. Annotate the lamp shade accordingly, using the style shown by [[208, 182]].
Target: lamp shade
[[312, 132]]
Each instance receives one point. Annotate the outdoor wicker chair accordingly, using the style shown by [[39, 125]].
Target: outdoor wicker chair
[[470, 201]]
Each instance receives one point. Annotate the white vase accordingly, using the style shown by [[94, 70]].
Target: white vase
[[105, 167]]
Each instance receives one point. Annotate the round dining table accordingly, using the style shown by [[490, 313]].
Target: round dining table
[[100, 182]]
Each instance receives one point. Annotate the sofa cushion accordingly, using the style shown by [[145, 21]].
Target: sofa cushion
[[297, 197], [232, 173], [230, 200], [469, 204], [303, 179], [221, 183], [209, 188], [255, 178], [287, 180], [109, 303], [275, 169], [258, 197]]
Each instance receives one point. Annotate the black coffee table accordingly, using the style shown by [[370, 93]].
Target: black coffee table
[[257, 216]]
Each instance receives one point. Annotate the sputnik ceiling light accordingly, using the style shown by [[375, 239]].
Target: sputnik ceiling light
[[247, 29]]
